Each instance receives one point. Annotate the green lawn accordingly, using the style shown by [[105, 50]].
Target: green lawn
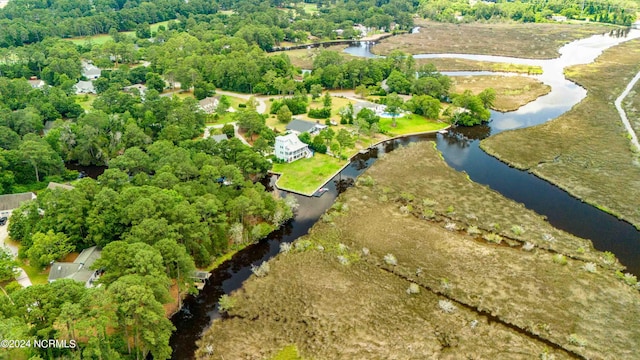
[[410, 124], [306, 175], [86, 101], [103, 38], [289, 352]]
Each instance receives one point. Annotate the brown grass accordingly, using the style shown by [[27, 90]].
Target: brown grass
[[453, 64], [362, 310], [535, 41], [585, 151], [631, 106], [512, 92]]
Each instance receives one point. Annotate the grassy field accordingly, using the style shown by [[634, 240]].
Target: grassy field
[[453, 64], [512, 92], [535, 41], [391, 272], [86, 101], [307, 175], [585, 151], [303, 58], [103, 38], [410, 124]]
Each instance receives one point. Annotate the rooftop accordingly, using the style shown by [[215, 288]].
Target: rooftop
[[291, 142], [12, 201], [300, 126]]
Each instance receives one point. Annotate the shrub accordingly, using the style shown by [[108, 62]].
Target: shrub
[[285, 247], [428, 202], [493, 237], [517, 230], [242, 106], [323, 113], [262, 270], [576, 340], [226, 303], [451, 226], [560, 259], [548, 237], [343, 260], [302, 245], [342, 248], [366, 181], [473, 230], [365, 251], [590, 267], [628, 278], [528, 246], [413, 289], [428, 214], [609, 258], [390, 259], [446, 306]]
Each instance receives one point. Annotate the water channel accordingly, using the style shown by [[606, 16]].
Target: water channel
[[460, 148]]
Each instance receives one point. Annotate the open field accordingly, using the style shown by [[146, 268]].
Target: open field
[[103, 38], [303, 58], [512, 92], [306, 175], [470, 298], [585, 151], [410, 124], [534, 41], [453, 64]]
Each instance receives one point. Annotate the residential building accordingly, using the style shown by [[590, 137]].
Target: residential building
[[79, 270], [36, 83], [289, 148], [141, 89], [377, 108], [90, 71], [559, 18], [219, 138], [13, 201], [209, 104], [297, 126], [84, 87]]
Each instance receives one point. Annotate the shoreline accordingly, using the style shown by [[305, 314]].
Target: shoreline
[[350, 160]]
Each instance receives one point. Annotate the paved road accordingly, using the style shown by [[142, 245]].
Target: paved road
[[22, 277], [623, 115]]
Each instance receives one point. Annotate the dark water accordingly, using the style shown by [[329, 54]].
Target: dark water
[[460, 148], [92, 171]]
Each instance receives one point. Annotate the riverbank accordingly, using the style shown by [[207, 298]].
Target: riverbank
[[512, 92], [533, 41], [585, 151], [411, 248]]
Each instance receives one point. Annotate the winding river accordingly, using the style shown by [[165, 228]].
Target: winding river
[[460, 148]]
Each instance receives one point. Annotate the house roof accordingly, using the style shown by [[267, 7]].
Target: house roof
[[53, 185], [300, 126], [84, 87], [141, 88], [220, 137], [79, 270], [36, 83], [291, 142], [89, 70], [12, 201]]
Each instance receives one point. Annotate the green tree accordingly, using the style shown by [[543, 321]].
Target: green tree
[[315, 91], [344, 139], [223, 105], [362, 90], [7, 265], [424, 105], [229, 130], [250, 121], [394, 102], [284, 114], [488, 97], [327, 100], [48, 247], [39, 154], [327, 135]]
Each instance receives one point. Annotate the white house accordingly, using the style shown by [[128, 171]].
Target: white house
[[209, 104], [289, 148]]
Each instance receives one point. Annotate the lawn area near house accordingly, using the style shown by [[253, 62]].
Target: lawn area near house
[[307, 175], [86, 101], [99, 39], [410, 124]]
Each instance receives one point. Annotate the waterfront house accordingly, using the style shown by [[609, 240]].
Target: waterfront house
[[297, 126], [289, 148]]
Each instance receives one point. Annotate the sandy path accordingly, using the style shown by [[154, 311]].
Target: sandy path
[[22, 277], [623, 115]]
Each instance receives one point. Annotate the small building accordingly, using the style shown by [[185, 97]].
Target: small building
[[218, 138], [79, 270], [559, 18], [298, 127], [36, 83], [289, 148], [141, 89], [53, 185], [13, 201], [84, 87], [90, 71], [209, 104]]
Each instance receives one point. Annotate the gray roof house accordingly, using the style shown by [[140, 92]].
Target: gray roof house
[[141, 88], [36, 83], [377, 108], [298, 126], [79, 270], [53, 185], [13, 201], [90, 71], [219, 138], [209, 104], [84, 87]]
